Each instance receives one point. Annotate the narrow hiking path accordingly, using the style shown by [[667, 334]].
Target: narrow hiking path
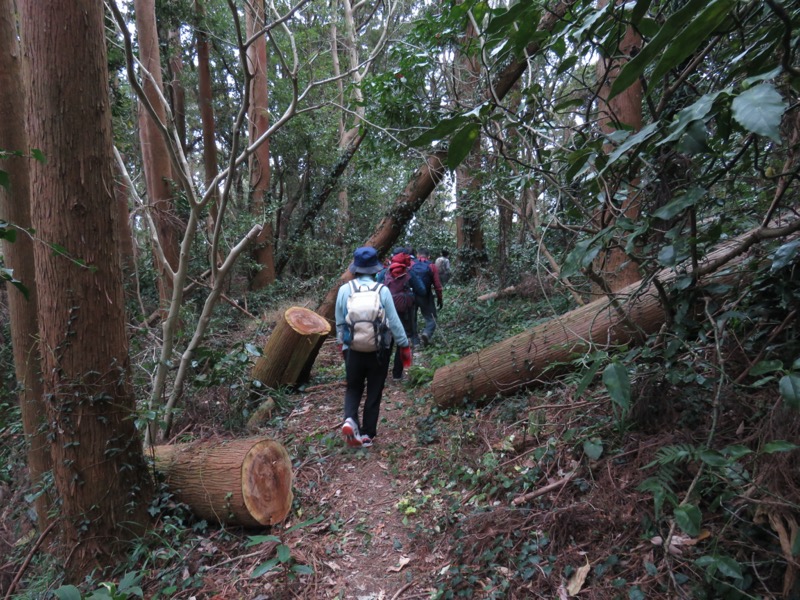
[[355, 539]]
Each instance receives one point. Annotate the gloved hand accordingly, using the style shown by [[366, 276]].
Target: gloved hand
[[405, 356], [439, 303]]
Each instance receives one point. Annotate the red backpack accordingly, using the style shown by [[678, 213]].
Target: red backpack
[[402, 294]]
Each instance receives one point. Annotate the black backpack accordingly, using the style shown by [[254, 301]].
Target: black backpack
[[423, 271], [402, 294]]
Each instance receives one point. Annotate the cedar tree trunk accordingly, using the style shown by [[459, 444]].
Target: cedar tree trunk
[[99, 471], [18, 256]]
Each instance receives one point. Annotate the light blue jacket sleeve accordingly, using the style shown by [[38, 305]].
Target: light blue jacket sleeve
[[392, 318]]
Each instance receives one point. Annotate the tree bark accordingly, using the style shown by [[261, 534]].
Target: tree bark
[[264, 250], [15, 209], [206, 102], [245, 482], [286, 352], [545, 351], [177, 93], [99, 471], [155, 155], [614, 266]]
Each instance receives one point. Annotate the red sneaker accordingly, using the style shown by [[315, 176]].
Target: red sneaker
[[350, 432]]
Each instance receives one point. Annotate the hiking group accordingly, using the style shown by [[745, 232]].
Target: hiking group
[[374, 311]]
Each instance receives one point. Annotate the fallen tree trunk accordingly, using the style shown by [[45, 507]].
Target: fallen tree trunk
[[544, 351], [246, 482], [295, 337], [427, 177]]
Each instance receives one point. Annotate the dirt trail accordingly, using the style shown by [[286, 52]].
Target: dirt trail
[[361, 550]]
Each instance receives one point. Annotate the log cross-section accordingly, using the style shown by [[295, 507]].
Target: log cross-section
[[296, 337], [245, 482]]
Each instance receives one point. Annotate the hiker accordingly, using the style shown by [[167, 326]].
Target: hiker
[[404, 286], [367, 325], [429, 275], [443, 265]]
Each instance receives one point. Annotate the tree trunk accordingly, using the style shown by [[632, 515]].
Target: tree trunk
[[15, 208], [177, 93], [155, 155], [264, 250], [245, 482], [206, 102], [426, 178], [545, 350], [470, 213], [99, 471], [613, 266], [286, 353]]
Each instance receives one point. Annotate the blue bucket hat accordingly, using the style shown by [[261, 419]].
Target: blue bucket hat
[[365, 260]]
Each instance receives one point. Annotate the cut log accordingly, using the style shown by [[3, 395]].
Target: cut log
[[509, 291], [545, 350], [296, 336], [246, 482]]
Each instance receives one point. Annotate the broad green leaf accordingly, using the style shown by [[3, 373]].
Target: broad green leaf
[[713, 458], [7, 232], [677, 205], [695, 139], [615, 378], [265, 567], [655, 487], [729, 567], [255, 540], [639, 10], [667, 256], [567, 64], [694, 112], [766, 366], [505, 19], [783, 256], [284, 553], [696, 32], [68, 592], [587, 378], [688, 518], [636, 66], [306, 523], [4, 180], [593, 448], [634, 140], [443, 129], [38, 155], [760, 110], [789, 386], [462, 143], [778, 446], [736, 451], [302, 569]]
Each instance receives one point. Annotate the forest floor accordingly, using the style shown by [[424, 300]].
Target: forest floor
[[393, 521], [539, 495]]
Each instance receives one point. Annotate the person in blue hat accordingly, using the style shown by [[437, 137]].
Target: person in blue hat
[[367, 326]]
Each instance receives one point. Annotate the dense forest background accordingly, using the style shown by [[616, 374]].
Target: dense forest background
[[620, 180]]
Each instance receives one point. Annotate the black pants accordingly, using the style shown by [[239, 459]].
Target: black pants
[[407, 319], [365, 369]]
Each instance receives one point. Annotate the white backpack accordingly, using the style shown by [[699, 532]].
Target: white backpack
[[366, 318]]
